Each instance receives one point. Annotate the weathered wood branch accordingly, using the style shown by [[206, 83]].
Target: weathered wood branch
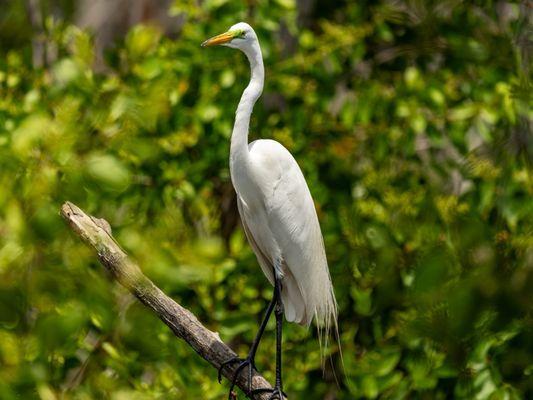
[[97, 233]]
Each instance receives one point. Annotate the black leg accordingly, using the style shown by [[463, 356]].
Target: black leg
[[263, 325], [249, 361], [279, 331], [277, 392]]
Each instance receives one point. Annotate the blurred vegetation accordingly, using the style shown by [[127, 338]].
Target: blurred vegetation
[[412, 123]]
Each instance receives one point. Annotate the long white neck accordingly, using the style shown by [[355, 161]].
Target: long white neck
[[239, 137]]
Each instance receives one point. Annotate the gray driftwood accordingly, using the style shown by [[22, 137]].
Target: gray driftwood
[[97, 233]]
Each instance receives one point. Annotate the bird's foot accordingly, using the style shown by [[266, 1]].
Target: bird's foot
[[243, 363], [276, 393]]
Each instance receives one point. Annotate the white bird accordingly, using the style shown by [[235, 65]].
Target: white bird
[[278, 216]]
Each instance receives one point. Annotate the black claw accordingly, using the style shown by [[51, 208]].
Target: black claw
[[243, 363], [276, 393], [228, 362]]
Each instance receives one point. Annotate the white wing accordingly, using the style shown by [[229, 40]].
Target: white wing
[[280, 222]]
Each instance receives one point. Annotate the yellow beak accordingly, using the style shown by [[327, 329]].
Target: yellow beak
[[219, 39]]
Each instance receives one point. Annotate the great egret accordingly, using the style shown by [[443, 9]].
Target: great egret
[[279, 218]]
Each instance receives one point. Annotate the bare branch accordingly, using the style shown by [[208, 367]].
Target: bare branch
[[97, 233]]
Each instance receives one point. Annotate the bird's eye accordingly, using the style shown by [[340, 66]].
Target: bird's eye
[[240, 34]]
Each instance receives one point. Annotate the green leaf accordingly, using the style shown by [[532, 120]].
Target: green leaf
[[108, 172]]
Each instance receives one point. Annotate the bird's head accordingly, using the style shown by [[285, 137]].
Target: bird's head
[[240, 36]]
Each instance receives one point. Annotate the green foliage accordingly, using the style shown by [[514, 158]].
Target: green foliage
[[412, 124]]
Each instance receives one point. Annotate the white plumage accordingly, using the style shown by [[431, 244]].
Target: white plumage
[[280, 222], [279, 219], [276, 208]]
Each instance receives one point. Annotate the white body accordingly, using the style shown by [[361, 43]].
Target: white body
[[277, 210]]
